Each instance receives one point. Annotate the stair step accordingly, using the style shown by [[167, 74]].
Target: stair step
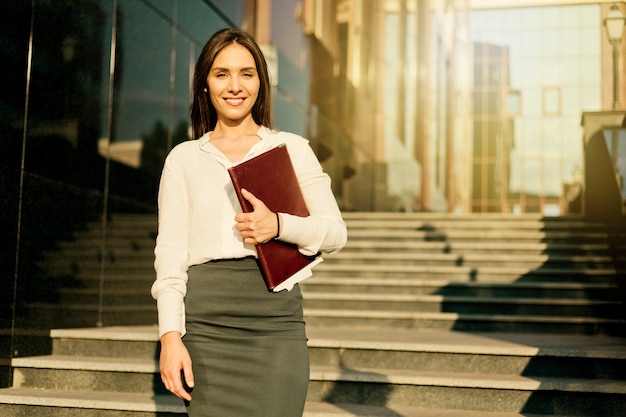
[[481, 273], [398, 301], [143, 263], [322, 409], [478, 343], [87, 403], [357, 285], [483, 235], [116, 230], [104, 404], [94, 363], [531, 355], [409, 377], [465, 322], [94, 264], [76, 373], [475, 247], [113, 252], [467, 391], [478, 220], [86, 315], [140, 281], [464, 305], [441, 254], [110, 297], [472, 259]]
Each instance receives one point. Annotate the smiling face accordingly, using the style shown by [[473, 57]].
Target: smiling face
[[233, 84]]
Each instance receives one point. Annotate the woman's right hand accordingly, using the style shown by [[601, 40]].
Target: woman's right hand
[[175, 363]]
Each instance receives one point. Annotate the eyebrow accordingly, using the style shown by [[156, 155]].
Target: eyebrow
[[228, 69]]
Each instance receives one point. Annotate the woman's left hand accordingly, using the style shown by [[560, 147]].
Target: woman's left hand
[[258, 226]]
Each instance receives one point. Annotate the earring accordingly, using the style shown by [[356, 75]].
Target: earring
[[205, 90]]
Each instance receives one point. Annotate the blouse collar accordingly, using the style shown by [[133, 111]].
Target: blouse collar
[[264, 133]]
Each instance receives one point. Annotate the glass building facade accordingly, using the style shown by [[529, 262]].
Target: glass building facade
[[536, 70], [96, 92], [410, 105]]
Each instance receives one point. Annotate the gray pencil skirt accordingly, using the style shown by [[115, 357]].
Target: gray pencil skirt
[[247, 344]]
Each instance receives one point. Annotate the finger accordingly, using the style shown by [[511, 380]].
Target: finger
[[248, 195], [240, 224], [179, 390], [242, 220], [255, 202], [188, 373], [172, 379]]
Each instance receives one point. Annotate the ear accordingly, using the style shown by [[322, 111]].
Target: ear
[[205, 90]]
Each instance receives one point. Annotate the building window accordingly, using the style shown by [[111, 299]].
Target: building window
[[551, 101], [514, 103]]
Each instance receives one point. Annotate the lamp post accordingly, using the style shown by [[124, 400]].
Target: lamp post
[[614, 23]]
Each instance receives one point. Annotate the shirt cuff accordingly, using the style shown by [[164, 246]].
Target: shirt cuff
[[295, 229], [171, 312]]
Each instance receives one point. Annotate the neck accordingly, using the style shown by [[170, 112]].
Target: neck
[[232, 128]]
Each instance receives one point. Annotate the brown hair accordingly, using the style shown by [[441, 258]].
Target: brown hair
[[203, 114]]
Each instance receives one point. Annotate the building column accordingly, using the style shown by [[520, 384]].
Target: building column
[[257, 18]]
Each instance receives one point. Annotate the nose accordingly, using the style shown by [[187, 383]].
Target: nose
[[234, 86]]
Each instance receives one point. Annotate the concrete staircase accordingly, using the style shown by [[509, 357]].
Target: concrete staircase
[[421, 315], [108, 284], [474, 273]]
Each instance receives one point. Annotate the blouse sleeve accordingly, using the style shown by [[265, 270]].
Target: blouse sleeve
[[324, 230], [171, 253]]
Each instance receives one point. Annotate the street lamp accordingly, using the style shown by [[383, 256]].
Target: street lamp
[[614, 23]]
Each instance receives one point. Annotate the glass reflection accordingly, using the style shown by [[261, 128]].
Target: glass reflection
[[81, 156], [558, 77]]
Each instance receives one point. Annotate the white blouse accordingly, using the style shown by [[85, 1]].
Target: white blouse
[[197, 208]]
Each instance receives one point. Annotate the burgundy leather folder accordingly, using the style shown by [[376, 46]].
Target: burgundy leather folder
[[271, 177]]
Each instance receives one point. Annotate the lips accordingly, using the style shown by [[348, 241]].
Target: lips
[[234, 101]]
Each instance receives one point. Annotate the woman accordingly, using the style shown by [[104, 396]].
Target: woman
[[240, 348]]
